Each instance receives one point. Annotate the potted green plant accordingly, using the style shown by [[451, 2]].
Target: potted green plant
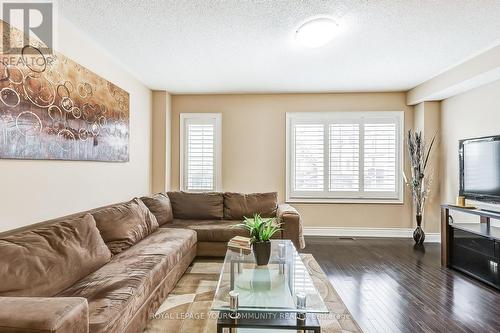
[[261, 230]]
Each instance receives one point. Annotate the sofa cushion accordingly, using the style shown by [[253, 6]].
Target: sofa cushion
[[44, 315], [197, 206], [211, 230], [159, 205], [35, 262], [117, 290], [123, 225], [238, 205]]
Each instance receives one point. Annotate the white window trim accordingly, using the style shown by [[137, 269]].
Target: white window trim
[[333, 197], [218, 148]]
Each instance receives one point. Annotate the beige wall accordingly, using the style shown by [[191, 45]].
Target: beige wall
[[469, 95], [31, 191], [161, 141], [427, 118], [472, 114], [256, 162]]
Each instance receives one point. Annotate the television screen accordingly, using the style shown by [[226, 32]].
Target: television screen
[[480, 169]]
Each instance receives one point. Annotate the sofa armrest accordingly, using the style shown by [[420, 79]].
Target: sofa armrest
[[291, 224], [40, 314]]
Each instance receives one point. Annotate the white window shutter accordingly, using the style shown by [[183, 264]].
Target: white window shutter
[[309, 157], [200, 158], [201, 152], [344, 157], [380, 157]]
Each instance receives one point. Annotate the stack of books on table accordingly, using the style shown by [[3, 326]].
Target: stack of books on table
[[238, 243]]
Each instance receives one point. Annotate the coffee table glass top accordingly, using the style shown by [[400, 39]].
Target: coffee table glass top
[[271, 288]]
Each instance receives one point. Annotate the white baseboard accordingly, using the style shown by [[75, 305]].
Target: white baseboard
[[430, 237]]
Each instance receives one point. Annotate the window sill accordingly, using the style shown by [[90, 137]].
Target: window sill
[[346, 201]]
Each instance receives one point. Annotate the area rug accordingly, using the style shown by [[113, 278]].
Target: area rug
[[187, 308]]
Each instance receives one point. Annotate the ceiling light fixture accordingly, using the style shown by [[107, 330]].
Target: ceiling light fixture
[[316, 32]]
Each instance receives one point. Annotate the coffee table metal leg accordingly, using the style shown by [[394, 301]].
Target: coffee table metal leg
[[225, 324], [222, 329]]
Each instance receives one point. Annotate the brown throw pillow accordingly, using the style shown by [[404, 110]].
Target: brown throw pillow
[[197, 206], [159, 205], [238, 205], [123, 225], [46, 260]]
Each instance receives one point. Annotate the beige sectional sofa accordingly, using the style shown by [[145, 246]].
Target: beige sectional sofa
[[108, 269], [213, 216]]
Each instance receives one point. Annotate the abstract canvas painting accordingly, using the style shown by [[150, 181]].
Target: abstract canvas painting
[[52, 108]]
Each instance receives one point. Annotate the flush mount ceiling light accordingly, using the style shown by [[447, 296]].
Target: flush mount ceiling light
[[316, 32]]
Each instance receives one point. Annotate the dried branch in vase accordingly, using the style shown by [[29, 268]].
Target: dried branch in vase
[[421, 178]]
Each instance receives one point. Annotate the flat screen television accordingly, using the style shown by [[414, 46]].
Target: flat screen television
[[480, 169]]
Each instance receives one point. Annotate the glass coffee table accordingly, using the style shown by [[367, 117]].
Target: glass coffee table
[[279, 296]]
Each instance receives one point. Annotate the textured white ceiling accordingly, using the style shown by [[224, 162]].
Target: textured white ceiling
[[201, 46]]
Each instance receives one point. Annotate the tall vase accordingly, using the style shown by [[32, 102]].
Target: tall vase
[[419, 234]]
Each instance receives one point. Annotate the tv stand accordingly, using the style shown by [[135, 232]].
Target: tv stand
[[471, 248], [489, 211]]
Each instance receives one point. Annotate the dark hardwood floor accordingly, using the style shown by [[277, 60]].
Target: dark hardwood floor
[[388, 286]]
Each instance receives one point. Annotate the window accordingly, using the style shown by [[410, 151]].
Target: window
[[200, 151], [344, 157]]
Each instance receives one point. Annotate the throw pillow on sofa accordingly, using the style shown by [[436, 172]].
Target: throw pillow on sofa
[[159, 205], [123, 225], [46, 260], [197, 206], [238, 205]]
